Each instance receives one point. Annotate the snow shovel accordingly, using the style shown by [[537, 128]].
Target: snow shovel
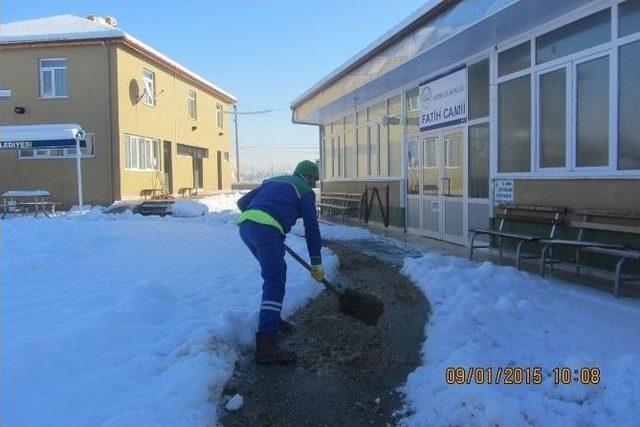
[[361, 305]]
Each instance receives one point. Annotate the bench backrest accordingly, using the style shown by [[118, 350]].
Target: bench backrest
[[550, 215], [345, 197], [607, 220]]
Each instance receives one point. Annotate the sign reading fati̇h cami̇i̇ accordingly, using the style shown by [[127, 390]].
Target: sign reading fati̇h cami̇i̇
[[443, 100]]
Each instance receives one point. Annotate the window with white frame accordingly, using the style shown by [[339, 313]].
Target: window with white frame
[[219, 116], [367, 144], [141, 154], [149, 86], [191, 101], [61, 153], [53, 78], [576, 71]]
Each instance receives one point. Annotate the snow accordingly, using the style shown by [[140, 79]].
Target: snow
[[42, 132], [188, 208], [122, 320], [485, 315], [234, 403], [26, 193], [337, 232], [55, 28]]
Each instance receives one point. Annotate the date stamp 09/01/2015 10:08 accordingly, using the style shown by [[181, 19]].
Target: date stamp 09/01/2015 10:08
[[514, 375]]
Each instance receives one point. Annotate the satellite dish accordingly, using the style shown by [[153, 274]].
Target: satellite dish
[[134, 91]]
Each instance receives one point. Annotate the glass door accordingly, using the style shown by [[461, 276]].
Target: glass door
[[414, 185], [431, 185], [452, 179]]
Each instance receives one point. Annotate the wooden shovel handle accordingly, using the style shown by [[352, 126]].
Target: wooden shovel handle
[[302, 262]]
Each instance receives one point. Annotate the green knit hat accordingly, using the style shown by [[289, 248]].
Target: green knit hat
[[307, 167]]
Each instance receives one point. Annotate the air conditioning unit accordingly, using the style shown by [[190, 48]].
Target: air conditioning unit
[[111, 21]]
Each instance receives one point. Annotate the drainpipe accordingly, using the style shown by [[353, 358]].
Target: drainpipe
[[235, 123], [110, 123]]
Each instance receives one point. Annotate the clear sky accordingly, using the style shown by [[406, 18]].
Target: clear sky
[[265, 52]]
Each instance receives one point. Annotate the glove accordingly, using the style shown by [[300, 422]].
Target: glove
[[317, 272]]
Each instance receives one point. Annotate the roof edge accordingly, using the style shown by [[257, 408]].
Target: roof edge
[[157, 56]]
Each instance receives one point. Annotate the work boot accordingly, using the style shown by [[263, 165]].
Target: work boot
[[268, 352], [286, 327]]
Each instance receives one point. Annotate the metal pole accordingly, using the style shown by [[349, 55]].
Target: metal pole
[[79, 168], [235, 122]]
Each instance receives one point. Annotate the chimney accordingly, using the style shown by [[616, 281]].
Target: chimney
[[109, 20]]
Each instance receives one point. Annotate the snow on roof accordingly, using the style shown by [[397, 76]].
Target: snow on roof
[[56, 28], [39, 132], [61, 28]]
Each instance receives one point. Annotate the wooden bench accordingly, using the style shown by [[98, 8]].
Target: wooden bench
[[151, 192], [548, 215], [609, 221], [340, 203], [188, 191]]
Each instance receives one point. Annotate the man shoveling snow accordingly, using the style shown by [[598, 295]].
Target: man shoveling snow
[[268, 213]]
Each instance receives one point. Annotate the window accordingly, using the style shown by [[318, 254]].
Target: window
[[349, 147], [374, 150], [629, 18], [149, 85], [383, 147], [479, 89], [552, 118], [219, 116], [514, 125], [226, 156], [515, 59], [629, 107], [579, 35], [413, 166], [479, 161], [575, 68], [376, 156], [394, 132], [191, 98], [430, 170], [412, 111], [361, 136], [451, 152], [141, 153], [55, 153], [53, 78], [327, 158], [430, 153], [592, 112]]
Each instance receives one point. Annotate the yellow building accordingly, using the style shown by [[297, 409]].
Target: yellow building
[[153, 126]]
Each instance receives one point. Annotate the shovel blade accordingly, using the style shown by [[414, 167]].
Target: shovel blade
[[362, 306]]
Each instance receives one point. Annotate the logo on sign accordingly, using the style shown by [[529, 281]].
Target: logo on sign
[[443, 101], [426, 98]]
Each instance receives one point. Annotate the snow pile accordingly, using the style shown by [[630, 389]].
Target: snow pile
[[337, 232], [222, 202], [490, 316], [123, 320], [188, 208]]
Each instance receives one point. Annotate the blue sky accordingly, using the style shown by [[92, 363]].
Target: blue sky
[[264, 52]]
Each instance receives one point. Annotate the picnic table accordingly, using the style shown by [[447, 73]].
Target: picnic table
[[17, 201]]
